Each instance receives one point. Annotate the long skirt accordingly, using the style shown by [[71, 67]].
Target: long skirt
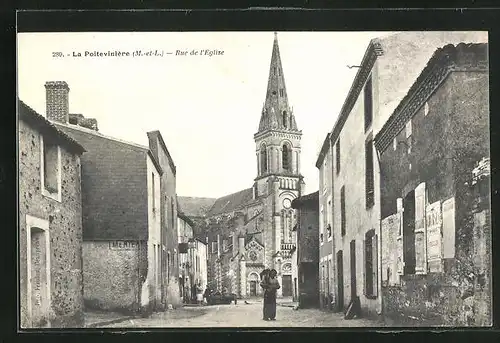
[[269, 311]]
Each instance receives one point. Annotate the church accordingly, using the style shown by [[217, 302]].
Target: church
[[254, 228]]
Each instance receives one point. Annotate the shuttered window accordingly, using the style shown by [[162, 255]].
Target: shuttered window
[[337, 155], [369, 178], [371, 264], [342, 211], [368, 103]]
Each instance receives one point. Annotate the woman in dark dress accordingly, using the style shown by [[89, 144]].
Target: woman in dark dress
[[264, 280], [270, 285]]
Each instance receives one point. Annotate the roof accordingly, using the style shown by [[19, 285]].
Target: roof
[[445, 58], [323, 151], [29, 115], [195, 207], [67, 128], [158, 135], [182, 216], [276, 102], [372, 52], [231, 202], [309, 198]]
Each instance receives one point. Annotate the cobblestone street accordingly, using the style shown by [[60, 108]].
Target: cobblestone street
[[242, 315]]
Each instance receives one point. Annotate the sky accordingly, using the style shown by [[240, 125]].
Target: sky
[[207, 108]]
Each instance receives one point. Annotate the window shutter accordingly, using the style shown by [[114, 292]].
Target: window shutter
[[449, 228], [399, 245], [420, 230], [375, 265], [365, 268]]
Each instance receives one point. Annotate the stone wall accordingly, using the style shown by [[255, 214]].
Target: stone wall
[[65, 231], [448, 141], [114, 272]]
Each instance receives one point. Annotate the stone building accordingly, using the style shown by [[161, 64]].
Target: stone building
[[261, 216], [50, 224], [308, 250], [327, 290], [193, 258], [129, 213], [435, 239], [385, 75]]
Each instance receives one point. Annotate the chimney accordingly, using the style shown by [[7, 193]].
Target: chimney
[[235, 244], [57, 101], [242, 244]]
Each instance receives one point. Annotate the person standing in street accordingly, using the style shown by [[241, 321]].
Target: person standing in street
[[264, 281], [199, 294], [272, 287]]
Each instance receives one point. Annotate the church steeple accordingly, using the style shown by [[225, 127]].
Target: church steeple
[[276, 113]]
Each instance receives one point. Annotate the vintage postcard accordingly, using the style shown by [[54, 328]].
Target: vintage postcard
[[254, 179]]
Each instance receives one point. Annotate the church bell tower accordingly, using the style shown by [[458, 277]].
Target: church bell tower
[[278, 180]]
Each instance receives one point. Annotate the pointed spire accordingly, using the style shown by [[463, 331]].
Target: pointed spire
[[276, 113]]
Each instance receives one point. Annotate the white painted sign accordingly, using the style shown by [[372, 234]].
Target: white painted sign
[[449, 228], [123, 245]]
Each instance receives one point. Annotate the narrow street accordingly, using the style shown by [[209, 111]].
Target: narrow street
[[242, 315]]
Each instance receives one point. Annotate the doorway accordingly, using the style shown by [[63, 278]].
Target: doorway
[[253, 288], [340, 281], [287, 285], [353, 269]]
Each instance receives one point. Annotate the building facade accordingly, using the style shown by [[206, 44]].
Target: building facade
[[169, 254], [122, 216], [383, 79], [327, 291], [308, 250], [50, 224], [261, 216], [435, 238], [193, 260]]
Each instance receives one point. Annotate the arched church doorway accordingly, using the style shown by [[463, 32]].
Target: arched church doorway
[[287, 284], [253, 284]]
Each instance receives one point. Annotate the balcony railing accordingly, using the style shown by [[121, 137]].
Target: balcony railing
[[287, 246]]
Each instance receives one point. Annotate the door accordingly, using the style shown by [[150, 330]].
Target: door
[[340, 280], [287, 285], [253, 288], [353, 269]]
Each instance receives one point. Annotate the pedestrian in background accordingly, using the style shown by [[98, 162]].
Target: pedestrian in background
[[264, 277], [199, 294]]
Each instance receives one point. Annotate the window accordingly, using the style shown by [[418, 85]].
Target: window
[[371, 265], [329, 217], [368, 103], [369, 178], [286, 157], [153, 191], [321, 224], [263, 159], [282, 93], [323, 175], [214, 247], [342, 210], [51, 167], [285, 119], [409, 135], [172, 217], [274, 70], [337, 153]]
